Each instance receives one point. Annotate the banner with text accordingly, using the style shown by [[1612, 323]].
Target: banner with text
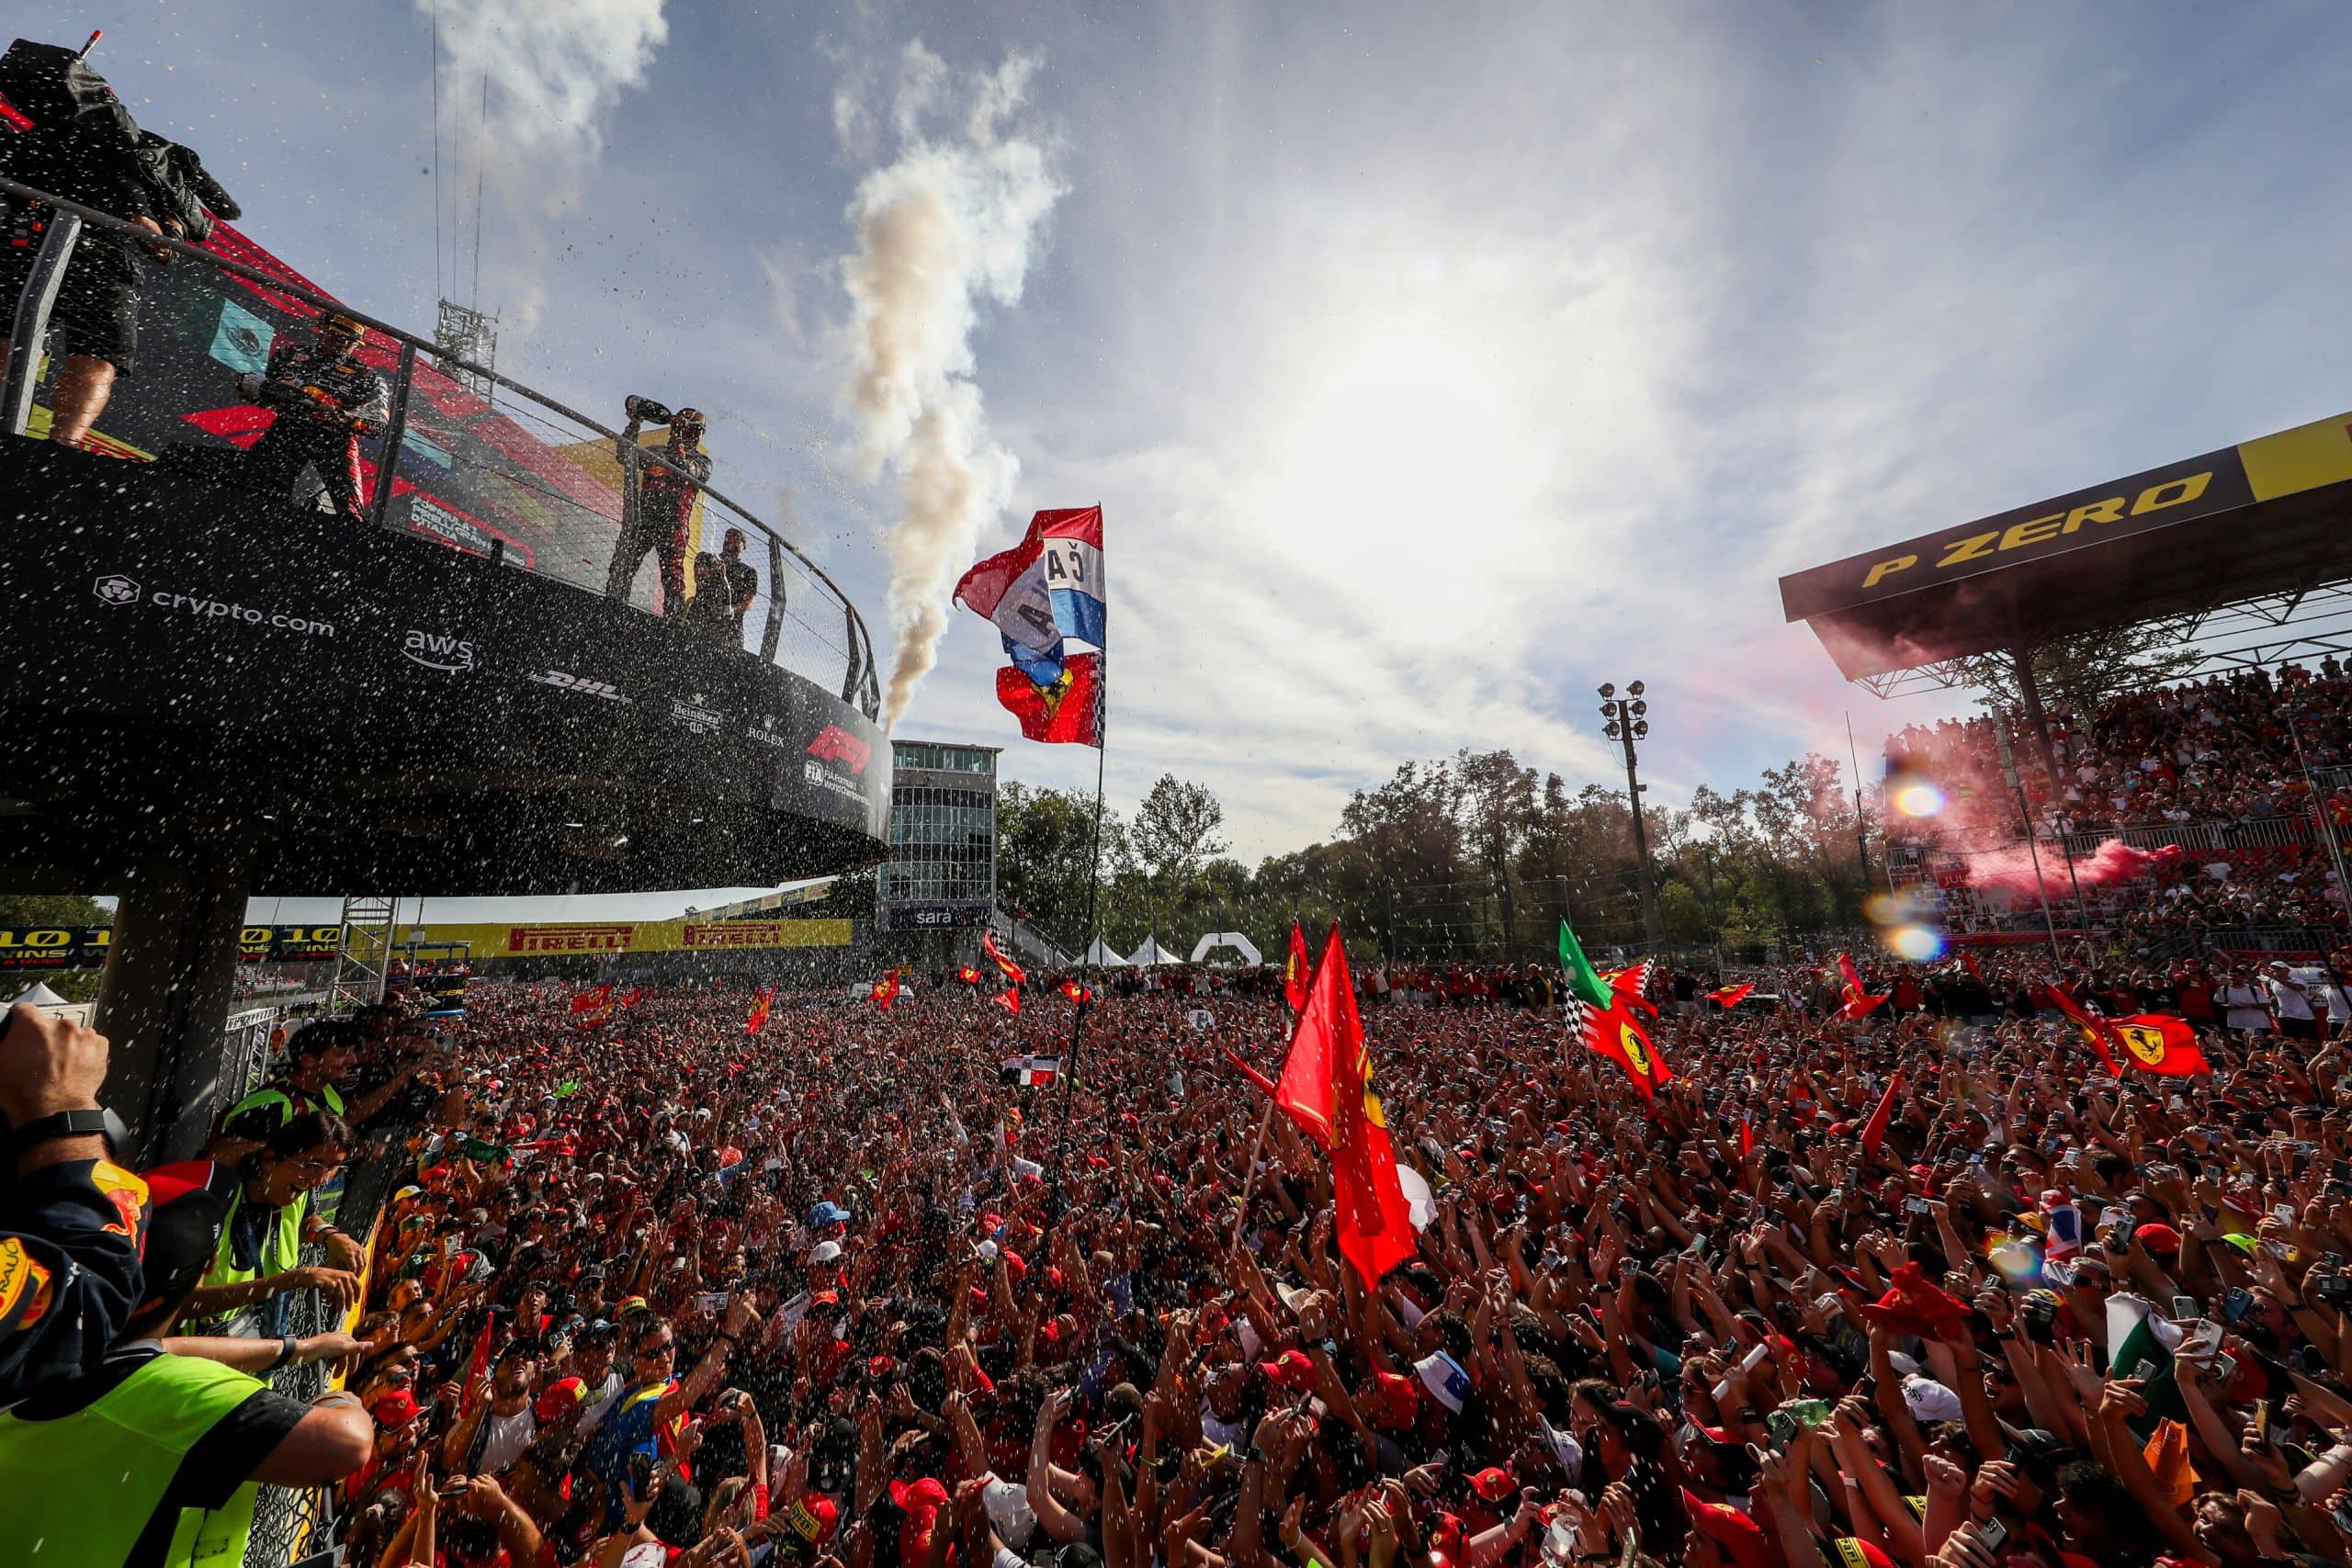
[[601, 938]]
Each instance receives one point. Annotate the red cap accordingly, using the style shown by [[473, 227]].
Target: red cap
[[1494, 1483], [1291, 1370], [558, 1397], [1396, 1399], [813, 1519], [396, 1408], [2158, 1237], [880, 1367], [927, 1496], [1741, 1539]]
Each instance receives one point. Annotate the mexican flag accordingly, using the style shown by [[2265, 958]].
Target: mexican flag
[[1585, 983], [2140, 1345]]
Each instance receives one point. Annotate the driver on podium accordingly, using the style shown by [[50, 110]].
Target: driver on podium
[[325, 401], [657, 500]]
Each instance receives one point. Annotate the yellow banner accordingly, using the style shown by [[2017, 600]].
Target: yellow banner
[[595, 937], [2302, 458]]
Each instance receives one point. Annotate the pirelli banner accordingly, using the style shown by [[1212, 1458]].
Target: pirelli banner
[[596, 939], [2269, 469], [84, 947]]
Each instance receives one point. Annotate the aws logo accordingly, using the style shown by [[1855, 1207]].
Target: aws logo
[[2055, 525], [452, 656]]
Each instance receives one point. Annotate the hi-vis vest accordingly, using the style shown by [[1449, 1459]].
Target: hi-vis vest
[[280, 1250], [82, 1489]]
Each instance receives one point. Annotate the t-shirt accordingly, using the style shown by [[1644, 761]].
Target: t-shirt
[[505, 1437], [2290, 1002], [2244, 1007]]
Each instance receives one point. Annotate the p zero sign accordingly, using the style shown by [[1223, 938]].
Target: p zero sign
[[2266, 468]]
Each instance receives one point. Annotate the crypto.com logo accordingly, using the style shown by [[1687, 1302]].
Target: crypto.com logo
[[116, 588]]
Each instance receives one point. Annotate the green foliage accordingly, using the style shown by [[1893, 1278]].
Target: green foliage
[[1474, 857], [23, 910]]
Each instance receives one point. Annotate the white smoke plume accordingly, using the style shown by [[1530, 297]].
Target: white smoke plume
[[950, 224], [555, 71]]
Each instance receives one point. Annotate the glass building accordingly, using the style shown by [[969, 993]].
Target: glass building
[[942, 873]]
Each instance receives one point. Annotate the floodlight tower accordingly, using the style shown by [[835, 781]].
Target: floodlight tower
[[1624, 721]]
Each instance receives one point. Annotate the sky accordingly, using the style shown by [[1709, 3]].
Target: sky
[[1431, 365]]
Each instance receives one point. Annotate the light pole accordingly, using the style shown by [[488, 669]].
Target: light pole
[[1622, 721]]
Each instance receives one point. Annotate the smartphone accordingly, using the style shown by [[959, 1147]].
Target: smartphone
[[2262, 1419], [2283, 1213], [2225, 1369], [711, 1301], [1993, 1535], [2183, 1308], [1915, 1206]]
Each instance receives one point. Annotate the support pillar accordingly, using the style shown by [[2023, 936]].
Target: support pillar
[[166, 994], [2037, 719]]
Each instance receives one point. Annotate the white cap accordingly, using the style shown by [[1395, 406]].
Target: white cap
[[1929, 1400], [826, 1252]]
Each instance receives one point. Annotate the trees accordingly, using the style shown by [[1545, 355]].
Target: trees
[[1475, 856]]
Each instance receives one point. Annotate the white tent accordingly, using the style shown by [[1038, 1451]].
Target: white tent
[[40, 996], [1151, 952], [1234, 940], [1099, 957]]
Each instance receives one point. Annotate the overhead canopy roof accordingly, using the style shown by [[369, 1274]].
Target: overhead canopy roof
[[2269, 516]]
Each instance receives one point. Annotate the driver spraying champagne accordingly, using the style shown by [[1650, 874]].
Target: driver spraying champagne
[[325, 401], [657, 493]]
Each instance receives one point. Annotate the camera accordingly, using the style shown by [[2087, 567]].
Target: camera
[[646, 410]]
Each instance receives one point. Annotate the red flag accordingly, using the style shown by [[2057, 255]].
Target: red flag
[[477, 1366], [759, 1019], [1253, 1074], [2160, 1043], [1613, 1032], [592, 1006], [1009, 998], [1732, 996], [1747, 1138], [1077, 992], [1326, 1087], [1969, 959], [1859, 1003], [2097, 1031], [1632, 987], [1070, 711], [885, 990], [1005, 966], [633, 995], [969, 974], [1874, 1130], [1297, 969]]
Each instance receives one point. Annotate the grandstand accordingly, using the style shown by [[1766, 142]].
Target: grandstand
[[2239, 781]]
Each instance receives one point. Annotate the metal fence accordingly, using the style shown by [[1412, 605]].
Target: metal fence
[[513, 476]]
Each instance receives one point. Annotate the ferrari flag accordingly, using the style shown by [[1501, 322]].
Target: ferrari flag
[[1326, 1087], [1613, 1032], [2158, 1043], [759, 1006], [1732, 996], [1859, 1003], [1296, 970], [1005, 966]]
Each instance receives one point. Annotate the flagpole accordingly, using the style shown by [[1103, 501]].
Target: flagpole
[[1094, 937], [1250, 1174]]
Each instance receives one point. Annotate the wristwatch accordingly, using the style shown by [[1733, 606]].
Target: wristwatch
[[70, 1124]]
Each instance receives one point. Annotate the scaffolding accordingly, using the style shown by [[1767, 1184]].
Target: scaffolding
[[363, 953], [465, 334]]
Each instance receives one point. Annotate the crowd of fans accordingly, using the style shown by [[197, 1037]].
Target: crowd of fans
[[658, 1291], [2220, 753]]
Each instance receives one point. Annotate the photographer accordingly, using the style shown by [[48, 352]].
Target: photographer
[[69, 1245], [325, 401], [657, 500]]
